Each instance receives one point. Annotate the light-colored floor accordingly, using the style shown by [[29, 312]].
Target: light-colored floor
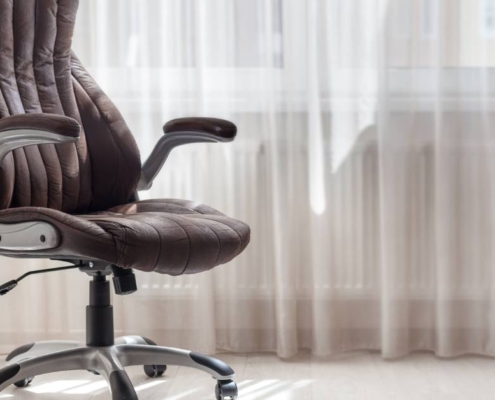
[[356, 376]]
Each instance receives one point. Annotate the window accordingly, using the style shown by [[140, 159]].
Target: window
[[487, 19]]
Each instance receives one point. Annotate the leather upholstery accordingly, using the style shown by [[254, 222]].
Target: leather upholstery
[[40, 75], [42, 122], [218, 127], [167, 236], [86, 189]]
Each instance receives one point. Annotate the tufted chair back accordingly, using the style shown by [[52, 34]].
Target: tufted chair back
[[39, 73]]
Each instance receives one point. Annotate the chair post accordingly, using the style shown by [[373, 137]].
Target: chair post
[[99, 314]]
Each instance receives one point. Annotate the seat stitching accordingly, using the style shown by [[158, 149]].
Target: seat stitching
[[167, 202], [37, 85], [57, 148], [113, 238], [22, 101], [159, 244], [23, 149], [228, 226], [205, 216], [55, 60], [160, 237], [218, 238], [188, 238], [89, 206], [123, 228]]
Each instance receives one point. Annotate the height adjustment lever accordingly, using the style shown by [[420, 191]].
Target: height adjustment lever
[[7, 287], [124, 281]]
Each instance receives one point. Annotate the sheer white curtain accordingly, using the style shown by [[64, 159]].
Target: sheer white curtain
[[365, 165]]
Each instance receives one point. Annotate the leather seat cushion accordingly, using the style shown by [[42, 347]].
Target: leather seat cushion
[[167, 236]]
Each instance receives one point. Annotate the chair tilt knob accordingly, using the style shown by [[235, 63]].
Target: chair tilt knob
[[124, 281]]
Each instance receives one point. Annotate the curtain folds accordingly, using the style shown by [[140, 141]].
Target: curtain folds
[[365, 165]]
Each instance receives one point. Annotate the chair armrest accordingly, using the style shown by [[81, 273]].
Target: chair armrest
[[184, 131], [29, 129], [224, 130]]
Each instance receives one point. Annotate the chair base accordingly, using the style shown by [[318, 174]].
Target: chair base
[[107, 356], [55, 356]]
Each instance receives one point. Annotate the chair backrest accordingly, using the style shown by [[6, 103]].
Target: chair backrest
[[39, 73]]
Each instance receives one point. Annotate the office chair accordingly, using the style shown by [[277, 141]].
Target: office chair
[[69, 180]]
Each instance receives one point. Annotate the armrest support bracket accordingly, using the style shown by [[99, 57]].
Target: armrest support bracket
[[184, 131], [30, 129], [162, 150], [17, 138]]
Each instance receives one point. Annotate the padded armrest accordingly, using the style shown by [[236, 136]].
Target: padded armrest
[[29, 129], [220, 128], [53, 123], [184, 131]]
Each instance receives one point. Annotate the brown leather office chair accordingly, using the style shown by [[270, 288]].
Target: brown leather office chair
[[69, 177]]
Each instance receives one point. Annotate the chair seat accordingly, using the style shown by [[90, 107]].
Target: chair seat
[[167, 236]]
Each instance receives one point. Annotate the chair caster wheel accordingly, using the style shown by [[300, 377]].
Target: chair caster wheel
[[155, 371], [226, 390], [25, 382]]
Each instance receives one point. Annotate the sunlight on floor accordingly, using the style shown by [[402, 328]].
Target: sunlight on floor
[[89, 388], [271, 389], [59, 386], [359, 375], [186, 394], [148, 385], [248, 389]]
